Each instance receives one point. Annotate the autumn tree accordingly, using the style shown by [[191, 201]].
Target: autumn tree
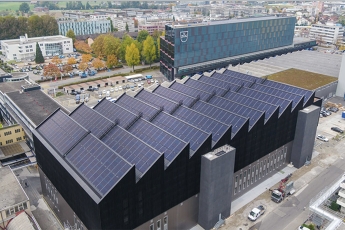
[[126, 41], [82, 46], [97, 63], [111, 61], [56, 60], [105, 45], [70, 34], [67, 68], [132, 55], [86, 58], [51, 70], [83, 66], [71, 61], [39, 57], [149, 50]]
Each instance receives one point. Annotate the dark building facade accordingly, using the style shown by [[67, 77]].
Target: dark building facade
[[137, 163], [210, 42]]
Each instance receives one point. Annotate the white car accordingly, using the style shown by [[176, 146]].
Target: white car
[[120, 87], [322, 138], [256, 213], [111, 90], [116, 89], [104, 92]]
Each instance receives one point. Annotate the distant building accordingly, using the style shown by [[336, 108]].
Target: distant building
[[151, 27], [330, 34], [24, 48], [41, 9], [120, 24], [85, 27]]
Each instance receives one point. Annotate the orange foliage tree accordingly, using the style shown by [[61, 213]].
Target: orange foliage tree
[[56, 60], [51, 70], [81, 45], [67, 68], [111, 61], [83, 66], [71, 61], [86, 57], [97, 63]]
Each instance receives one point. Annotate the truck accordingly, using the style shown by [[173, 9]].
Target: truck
[[285, 189], [256, 213]]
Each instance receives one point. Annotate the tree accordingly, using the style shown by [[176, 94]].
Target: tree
[[127, 28], [51, 70], [142, 35], [111, 61], [67, 68], [149, 50], [111, 24], [56, 60], [86, 58], [82, 46], [132, 55], [83, 66], [126, 41], [24, 7], [105, 45], [39, 57], [71, 61], [97, 63], [88, 6], [70, 34]]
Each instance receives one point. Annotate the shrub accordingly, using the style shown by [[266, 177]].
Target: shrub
[[334, 206], [59, 94], [310, 226]]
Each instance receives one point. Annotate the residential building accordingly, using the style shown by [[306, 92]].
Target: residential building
[[152, 26], [24, 48], [151, 160], [188, 48], [11, 134], [327, 34], [85, 26], [120, 23]]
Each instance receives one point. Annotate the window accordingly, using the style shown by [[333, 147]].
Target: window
[[152, 227], [14, 55], [248, 180], [9, 141], [158, 224], [240, 183], [41, 44], [7, 133], [17, 130], [165, 222], [19, 138]]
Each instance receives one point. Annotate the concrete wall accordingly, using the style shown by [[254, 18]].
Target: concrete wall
[[216, 177], [327, 91], [303, 145], [341, 79], [182, 216]]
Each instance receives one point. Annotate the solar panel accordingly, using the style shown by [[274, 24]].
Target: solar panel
[[245, 77], [115, 113], [221, 115], [232, 80], [279, 93], [204, 87], [98, 164], [282, 103], [181, 129], [252, 102], [174, 95], [131, 148], [218, 82], [156, 100], [204, 96], [158, 139], [137, 106], [203, 122], [62, 132], [91, 120], [240, 109]]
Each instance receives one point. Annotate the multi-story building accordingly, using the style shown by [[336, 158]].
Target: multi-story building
[[327, 34], [25, 48], [204, 44], [85, 26], [120, 23], [152, 26], [152, 159]]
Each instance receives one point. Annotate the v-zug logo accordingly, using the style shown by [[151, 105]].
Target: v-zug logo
[[184, 36]]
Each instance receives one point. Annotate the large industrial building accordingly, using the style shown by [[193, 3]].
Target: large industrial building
[[174, 155], [189, 48]]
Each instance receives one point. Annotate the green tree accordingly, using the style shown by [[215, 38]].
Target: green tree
[[149, 50], [70, 34], [88, 6], [126, 41], [105, 45], [24, 7], [111, 25], [142, 35], [127, 29], [132, 55], [39, 57]]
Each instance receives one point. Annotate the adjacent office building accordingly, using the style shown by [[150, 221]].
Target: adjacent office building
[[24, 48], [327, 34], [85, 26], [206, 44], [175, 155]]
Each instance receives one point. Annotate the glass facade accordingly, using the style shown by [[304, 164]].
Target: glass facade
[[201, 43], [53, 49]]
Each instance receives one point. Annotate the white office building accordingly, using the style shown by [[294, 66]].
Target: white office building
[[24, 48], [330, 34], [85, 26], [120, 24]]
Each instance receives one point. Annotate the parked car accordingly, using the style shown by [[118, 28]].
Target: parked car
[[333, 109], [111, 90], [90, 89], [337, 129], [120, 87], [116, 89], [322, 138], [255, 213]]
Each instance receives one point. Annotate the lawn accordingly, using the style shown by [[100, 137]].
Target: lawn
[[301, 78], [12, 5]]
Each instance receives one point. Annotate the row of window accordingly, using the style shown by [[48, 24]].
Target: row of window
[[258, 170], [15, 209], [159, 226], [11, 140]]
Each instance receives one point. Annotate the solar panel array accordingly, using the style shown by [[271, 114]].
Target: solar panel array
[[115, 113], [174, 95], [91, 119], [62, 132], [156, 100], [181, 129], [131, 148], [205, 87], [203, 122], [98, 164], [137, 106], [190, 91], [158, 139]]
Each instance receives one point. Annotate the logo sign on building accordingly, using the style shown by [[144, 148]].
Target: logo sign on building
[[184, 36]]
